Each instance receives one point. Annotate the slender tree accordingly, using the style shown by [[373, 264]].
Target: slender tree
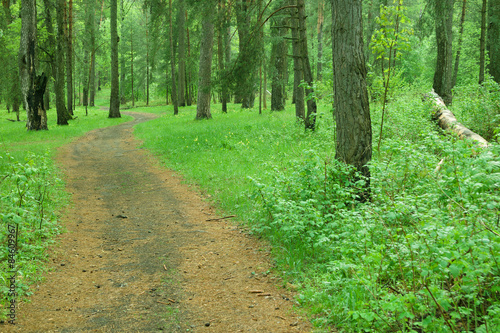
[[482, 43], [62, 111], [278, 59], [114, 101], [444, 34], [68, 26], [248, 57], [310, 120], [351, 104], [181, 50], [205, 71], [11, 83], [493, 45], [172, 63], [298, 72], [459, 46], [132, 66], [92, 87], [319, 28]]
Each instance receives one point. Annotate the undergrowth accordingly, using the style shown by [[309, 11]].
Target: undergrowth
[[30, 195], [422, 256]]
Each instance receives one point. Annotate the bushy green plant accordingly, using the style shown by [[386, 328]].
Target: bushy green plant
[[28, 202], [423, 256]]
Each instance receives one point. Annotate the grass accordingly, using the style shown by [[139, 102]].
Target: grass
[[222, 154]]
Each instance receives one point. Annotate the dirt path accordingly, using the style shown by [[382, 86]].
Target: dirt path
[[140, 255]]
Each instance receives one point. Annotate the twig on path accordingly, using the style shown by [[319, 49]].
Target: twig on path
[[221, 218]]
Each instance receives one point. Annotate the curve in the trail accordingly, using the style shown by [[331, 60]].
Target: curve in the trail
[[140, 256]]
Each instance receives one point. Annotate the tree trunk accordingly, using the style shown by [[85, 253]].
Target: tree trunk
[[62, 111], [172, 64], [279, 50], [444, 35], [121, 52], [68, 11], [351, 104], [147, 57], [181, 31], [482, 43], [189, 85], [310, 120], [114, 100], [32, 86], [132, 66], [298, 72], [459, 46], [221, 31], [447, 121], [494, 39], [247, 58], [321, 20], [92, 55], [205, 71]]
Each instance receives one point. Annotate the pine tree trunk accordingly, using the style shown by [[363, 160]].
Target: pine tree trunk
[[68, 10], [121, 52], [494, 39], [459, 46], [181, 31], [92, 55], [189, 85], [351, 104], [310, 120], [205, 71], [32, 86], [247, 58], [279, 49], [132, 66], [444, 34], [321, 20], [172, 65], [62, 111], [147, 57], [298, 71], [114, 101]]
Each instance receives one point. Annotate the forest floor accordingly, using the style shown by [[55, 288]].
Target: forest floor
[[144, 252]]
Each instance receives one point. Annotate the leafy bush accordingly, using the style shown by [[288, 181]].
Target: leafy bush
[[27, 203], [421, 257]]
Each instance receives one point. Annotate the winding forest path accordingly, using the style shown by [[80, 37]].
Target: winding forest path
[[141, 255]]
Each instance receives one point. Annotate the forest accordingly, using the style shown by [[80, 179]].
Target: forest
[[359, 138]]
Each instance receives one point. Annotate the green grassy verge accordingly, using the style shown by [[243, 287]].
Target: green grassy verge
[[423, 256]]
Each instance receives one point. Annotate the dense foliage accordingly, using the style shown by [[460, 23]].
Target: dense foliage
[[29, 200]]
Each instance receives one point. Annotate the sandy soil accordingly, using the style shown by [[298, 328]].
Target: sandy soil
[[146, 253]]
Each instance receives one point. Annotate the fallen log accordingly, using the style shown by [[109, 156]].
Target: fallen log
[[447, 120]]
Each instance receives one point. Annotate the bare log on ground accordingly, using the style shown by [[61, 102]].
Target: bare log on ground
[[447, 121]]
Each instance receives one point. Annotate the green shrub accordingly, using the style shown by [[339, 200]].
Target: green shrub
[[422, 256], [29, 197]]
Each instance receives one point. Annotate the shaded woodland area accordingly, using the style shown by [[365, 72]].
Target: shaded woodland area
[[260, 54]]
